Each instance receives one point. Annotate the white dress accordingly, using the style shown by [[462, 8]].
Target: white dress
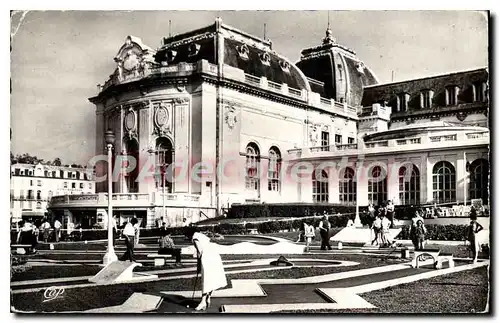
[[213, 276]]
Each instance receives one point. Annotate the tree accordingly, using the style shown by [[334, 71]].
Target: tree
[[13, 159], [28, 159], [57, 162]]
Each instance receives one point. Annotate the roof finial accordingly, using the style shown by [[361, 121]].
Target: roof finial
[[329, 37], [170, 28]]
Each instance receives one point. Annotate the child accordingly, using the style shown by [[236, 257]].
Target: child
[[377, 229], [308, 234], [420, 232]]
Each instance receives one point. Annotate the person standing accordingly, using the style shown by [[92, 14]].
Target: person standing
[[473, 229], [324, 230], [129, 234], [57, 229], [210, 267], [386, 224], [390, 212], [137, 229], [377, 230], [420, 232], [308, 234], [46, 230]]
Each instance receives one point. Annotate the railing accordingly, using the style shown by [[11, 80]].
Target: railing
[[325, 101], [347, 147], [477, 135], [274, 86], [443, 138], [130, 196], [294, 92], [181, 197], [400, 142], [252, 79]]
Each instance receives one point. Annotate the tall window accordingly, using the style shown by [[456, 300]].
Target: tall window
[[402, 101], [17, 171], [61, 173], [425, 99], [38, 195], [273, 181], [347, 187], [164, 151], [73, 185], [479, 91], [39, 205], [30, 194], [451, 95], [409, 185], [325, 140], [39, 183], [443, 182], [377, 186], [320, 186], [350, 140], [53, 173], [338, 139], [131, 177], [252, 167], [21, 194], [65, 184], [479, 175], [77, 175]]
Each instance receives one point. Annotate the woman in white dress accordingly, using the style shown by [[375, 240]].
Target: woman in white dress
[[210, 266]]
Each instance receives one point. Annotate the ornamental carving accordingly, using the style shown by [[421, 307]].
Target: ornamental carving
[[461, 116], [162, 118], [133, 60], [130, 120], [314, 135], [181, 100], [230, 117]]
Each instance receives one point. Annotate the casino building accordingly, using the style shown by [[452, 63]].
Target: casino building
[[218, 98]]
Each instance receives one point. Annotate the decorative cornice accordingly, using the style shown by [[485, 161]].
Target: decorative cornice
[[188, 40]]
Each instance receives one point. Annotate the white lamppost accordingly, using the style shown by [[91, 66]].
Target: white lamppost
[[110, 255], [357, 220]]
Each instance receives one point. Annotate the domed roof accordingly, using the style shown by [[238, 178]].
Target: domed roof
[[243, 51], [343, 75], [420, 128]]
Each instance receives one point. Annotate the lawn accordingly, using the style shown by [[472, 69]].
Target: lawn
[[462, 292]]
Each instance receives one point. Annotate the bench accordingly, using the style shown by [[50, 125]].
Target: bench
[[423, 255], [21, 249], [445, 257], [159, 259]]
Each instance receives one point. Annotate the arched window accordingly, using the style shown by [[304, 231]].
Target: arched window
[[273, 174], [347, 187], [320, 186], [252, 167], [409, 185], [38, 205], [49, 195], [164, 157], [479, 176], [38, 195], [377, 186], [443, 182]]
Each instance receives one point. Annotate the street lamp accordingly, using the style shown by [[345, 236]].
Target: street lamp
[[357, 220], [110, 255]]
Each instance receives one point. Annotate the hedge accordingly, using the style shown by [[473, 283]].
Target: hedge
[[450, 232], [297, 210]]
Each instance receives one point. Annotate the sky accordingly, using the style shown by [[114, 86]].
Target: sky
[[59, 57]]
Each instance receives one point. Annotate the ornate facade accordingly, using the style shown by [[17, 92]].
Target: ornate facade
[[234, 117]]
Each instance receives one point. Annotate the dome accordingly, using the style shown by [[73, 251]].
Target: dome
[[243, 51], [340, 73]]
